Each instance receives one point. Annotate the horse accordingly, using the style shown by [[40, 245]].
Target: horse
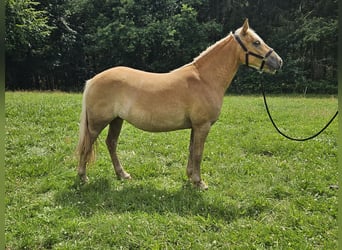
[[189, 97]]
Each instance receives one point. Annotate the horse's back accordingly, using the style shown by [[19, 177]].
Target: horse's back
[[129, 76]]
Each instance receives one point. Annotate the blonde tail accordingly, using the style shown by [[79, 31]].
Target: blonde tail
[[85, 148]]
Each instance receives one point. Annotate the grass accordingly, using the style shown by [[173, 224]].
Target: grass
[[265, 192]]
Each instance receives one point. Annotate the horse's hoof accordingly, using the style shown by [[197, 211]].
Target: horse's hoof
[[84, 179], [124, 176], [201, 185], [80, 180], [127, 177]]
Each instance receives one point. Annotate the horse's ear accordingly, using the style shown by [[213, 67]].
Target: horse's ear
[[245, 27]]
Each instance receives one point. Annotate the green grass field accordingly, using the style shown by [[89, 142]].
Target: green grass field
[[265, 192]]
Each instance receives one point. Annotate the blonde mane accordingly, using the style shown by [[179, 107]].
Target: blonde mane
[[213, 47], [210, 49]]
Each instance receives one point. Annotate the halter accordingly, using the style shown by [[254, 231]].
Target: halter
[[247, 53]]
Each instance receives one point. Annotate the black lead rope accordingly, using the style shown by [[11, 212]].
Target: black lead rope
[[264, 58], [289, 137]]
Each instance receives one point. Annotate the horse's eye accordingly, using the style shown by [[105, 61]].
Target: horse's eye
[[256, 43]]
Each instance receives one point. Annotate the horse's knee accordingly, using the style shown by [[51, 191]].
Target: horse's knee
[[111, 143]]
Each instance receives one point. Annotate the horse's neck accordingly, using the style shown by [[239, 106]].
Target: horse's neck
[[218, 64]]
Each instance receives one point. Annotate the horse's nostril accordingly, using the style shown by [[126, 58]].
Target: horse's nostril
[[280, 63]]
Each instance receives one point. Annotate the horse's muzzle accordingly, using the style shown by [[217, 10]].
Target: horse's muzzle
[[274, 62]]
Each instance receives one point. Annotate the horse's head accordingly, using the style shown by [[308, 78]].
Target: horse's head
[[254, 52]]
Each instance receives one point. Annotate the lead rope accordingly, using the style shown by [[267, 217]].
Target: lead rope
[[289, 137]]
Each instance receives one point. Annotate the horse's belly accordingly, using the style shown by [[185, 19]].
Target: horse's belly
[[158, 121]]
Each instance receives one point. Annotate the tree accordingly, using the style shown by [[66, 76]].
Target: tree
[[26, 27], [143, 34], [27, 31], [58, 44]]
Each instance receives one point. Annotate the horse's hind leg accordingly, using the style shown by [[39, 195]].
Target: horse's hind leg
[[112, 142]]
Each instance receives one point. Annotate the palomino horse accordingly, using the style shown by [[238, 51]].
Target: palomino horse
[[189, 97]]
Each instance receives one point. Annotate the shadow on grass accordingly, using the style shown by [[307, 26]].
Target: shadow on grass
[[187, 201]]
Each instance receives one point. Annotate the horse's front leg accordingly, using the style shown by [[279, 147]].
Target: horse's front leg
[[189, 169], [198, 137]]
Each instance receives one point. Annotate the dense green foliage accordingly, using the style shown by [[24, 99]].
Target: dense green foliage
[[58, 44], [265, 192]]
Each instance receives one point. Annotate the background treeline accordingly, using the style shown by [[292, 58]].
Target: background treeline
[[58, 44]]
